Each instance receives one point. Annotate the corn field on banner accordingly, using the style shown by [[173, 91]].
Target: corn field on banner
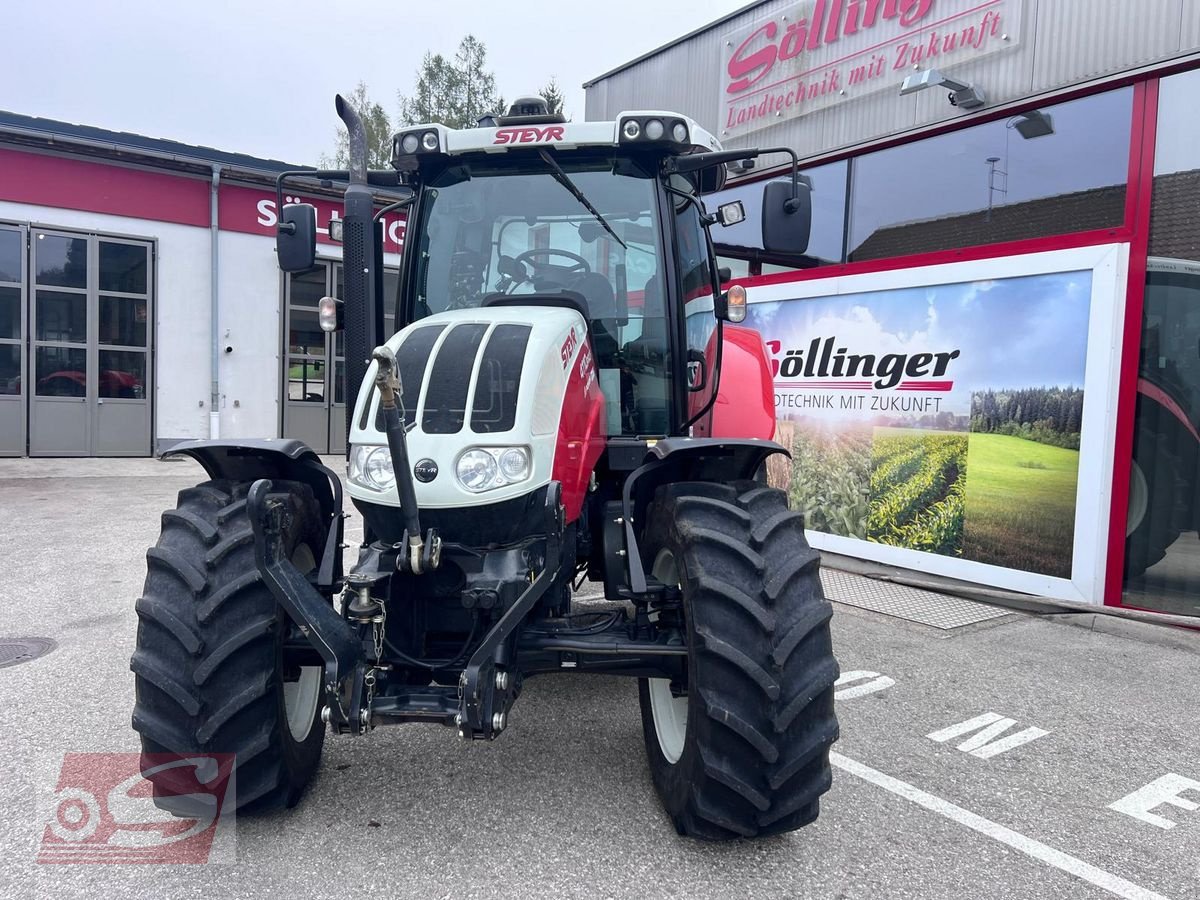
[[941, 421]]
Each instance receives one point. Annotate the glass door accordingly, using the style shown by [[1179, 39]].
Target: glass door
[[12, 340], [314, 406]]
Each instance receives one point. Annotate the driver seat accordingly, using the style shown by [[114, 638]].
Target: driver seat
[[602, 315]]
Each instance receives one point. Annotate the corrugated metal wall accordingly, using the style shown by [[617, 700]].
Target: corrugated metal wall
[[1062, 43]]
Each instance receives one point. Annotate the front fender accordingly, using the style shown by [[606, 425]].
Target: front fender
[[678, 459], [282, 459]]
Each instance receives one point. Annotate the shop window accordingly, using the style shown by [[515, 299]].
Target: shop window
[[1056, 170], [1162, 553], [825, 243]]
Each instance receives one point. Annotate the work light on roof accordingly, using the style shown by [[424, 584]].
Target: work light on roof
[[429, 141], [410, 143]]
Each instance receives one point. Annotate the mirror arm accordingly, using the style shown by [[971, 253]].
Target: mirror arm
[[792, 204]]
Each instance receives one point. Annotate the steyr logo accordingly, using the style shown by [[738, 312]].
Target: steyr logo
[[530, 134], [568, 348]]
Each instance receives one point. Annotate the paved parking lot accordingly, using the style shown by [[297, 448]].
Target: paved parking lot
[[1014, 757]]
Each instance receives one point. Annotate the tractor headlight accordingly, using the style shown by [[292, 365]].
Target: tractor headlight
[[482, 469], [371, 467], [409, 143], [654, 130]]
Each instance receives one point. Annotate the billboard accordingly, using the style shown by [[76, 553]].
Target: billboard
[[952, 418]]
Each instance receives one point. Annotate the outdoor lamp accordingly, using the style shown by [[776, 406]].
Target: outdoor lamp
[[962, 94]]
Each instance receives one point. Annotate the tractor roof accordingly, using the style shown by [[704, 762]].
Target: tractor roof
[[648, 129]]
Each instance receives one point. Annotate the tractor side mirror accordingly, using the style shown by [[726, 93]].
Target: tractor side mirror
[[296, 238], [697, 371], [786, 220]]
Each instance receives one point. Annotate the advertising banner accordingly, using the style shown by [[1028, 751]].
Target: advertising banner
[[956, 419]]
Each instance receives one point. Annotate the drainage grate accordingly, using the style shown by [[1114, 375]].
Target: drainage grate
[[912, 604], [14, 651]]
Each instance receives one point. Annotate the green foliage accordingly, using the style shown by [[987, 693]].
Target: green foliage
[[379, 134], [1047, 415], [553, 96], [1021, 504], [917, 490], [829, 480], [454, 92]]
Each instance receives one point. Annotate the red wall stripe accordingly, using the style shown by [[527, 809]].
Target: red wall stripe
[[97, 187]]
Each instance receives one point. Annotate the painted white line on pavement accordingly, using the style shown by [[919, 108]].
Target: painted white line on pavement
[[983, 744], [1035, 849], [879, 683]]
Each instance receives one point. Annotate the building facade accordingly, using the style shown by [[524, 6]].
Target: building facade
[[988, 355], [141, 304]]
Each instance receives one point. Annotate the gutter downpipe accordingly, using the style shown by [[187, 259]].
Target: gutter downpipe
[[214, 408]]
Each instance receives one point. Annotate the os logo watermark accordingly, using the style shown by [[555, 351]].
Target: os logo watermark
[[103, 810]]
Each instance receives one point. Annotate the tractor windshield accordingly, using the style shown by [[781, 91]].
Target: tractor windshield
[[494, 227]]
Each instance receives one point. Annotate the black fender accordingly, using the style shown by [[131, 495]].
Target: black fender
[[678, 459], [278, 459]]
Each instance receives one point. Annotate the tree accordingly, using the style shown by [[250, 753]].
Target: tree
[[455, 92], [553, 95], [379, 134]]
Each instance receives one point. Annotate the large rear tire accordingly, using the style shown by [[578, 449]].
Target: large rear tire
[[741, 750], [211, 674]]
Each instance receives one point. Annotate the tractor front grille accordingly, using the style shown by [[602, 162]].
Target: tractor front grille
[[437, 385]]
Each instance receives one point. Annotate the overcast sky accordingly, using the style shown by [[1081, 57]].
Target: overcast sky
[[259, 76]]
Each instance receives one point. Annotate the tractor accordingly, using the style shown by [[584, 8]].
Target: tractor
[[568, 396]]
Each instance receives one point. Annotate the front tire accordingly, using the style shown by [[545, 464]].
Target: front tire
[[211, 674], [741, 749]]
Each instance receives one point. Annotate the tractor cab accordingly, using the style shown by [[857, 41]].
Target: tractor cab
[[530, 210]]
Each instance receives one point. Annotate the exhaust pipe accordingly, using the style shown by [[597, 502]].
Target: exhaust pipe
[[358, 139], [362, 263]]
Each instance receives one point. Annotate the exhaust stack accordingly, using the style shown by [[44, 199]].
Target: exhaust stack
[[362, 258]]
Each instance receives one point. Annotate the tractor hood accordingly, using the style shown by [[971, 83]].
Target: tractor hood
[[478, 382]]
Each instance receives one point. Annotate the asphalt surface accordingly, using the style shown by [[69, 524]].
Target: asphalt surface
[[561, 804]]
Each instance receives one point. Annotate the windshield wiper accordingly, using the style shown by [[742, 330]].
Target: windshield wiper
[[565, 180]]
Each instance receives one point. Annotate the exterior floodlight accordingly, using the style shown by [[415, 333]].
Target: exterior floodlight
[[1033, 124], [962, 93]]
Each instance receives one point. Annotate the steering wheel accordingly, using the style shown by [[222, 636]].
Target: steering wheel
[[581, 265]]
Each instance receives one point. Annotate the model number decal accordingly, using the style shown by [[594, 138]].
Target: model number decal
[[529, 134], [568, 347]]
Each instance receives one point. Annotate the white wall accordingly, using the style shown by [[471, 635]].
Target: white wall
[[250, 322]]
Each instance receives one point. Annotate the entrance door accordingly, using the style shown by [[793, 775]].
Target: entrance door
[[90, 339], [314, 405], [12, 340]]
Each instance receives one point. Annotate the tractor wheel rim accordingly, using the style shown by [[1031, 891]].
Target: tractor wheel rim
[[670, 713], [301, 696], [1139, 499]]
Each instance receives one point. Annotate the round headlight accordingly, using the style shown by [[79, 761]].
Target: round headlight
[[654, 130], [679, 132], [514, 464], [632, 129], [429, 140], [377, 469], [476, 470], [409, 143]]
